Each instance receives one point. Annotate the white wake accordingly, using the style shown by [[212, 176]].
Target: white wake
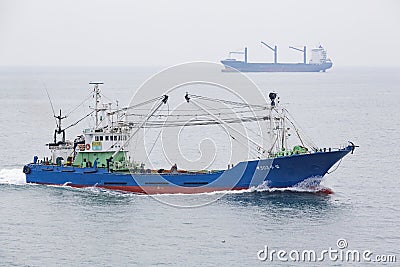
[[12, 176]]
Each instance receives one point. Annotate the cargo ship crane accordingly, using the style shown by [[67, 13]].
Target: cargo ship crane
[[304, 52], [240, 53], [273, 49]]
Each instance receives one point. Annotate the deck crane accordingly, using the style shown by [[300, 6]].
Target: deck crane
[[240, 53], [304, 52], [273, 49]]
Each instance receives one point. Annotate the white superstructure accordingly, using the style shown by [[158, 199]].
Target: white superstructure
[[319, 56]]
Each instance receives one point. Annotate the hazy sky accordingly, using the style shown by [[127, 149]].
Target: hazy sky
[[148, 32]]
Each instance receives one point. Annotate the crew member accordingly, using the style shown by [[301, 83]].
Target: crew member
[[174, 168]]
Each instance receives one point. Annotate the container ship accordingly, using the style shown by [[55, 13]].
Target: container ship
[[318, 62]]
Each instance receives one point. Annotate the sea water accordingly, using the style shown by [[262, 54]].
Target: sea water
[[53, 226]]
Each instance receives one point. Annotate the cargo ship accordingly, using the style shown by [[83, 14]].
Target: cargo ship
[[101, 157], [318, 62]]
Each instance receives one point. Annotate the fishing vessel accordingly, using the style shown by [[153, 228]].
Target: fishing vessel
[[100, 157], [318, 62]]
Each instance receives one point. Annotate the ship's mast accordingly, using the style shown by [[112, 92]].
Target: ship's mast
[[284, 142], [59, 130], [96, 92], [272, 96]]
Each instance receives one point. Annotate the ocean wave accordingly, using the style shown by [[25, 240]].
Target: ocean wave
[[259, 189]]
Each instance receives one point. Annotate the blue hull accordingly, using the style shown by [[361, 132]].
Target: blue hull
[[233, 65], [287, 171]]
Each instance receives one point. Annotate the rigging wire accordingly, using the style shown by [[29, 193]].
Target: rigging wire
[[265, 117], [200, 121], [273, 144], [222, 122], [51, 104], [306, 138], [72, 110], [158, 136], [195, 122], [151, 113], [140, 104], [238, 112], [109, 99], [221, 108], [144, 132], [154, 144], [225, 101], [196, 114], [81, 119]]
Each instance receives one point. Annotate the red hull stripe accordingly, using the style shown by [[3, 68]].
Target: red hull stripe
[[158, 189], [173, 190]]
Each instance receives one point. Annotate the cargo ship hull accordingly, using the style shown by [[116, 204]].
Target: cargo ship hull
[[233, 65]]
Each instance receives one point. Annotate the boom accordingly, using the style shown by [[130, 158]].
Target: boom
[[240, 53], [273, 49], [304, 52]]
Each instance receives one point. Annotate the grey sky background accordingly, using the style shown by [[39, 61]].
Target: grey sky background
[[138, 33]]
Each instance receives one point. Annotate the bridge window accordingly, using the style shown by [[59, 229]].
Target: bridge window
[[106, 137]]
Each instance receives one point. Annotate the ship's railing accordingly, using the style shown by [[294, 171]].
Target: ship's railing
[[123, 165], [291, 152], [134, 167]]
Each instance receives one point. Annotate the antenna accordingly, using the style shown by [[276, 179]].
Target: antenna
[[51, 104], [96, 91], [57, 118]]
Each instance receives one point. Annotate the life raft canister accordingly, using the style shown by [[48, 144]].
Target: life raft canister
[[26, 170], [87, 146]]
